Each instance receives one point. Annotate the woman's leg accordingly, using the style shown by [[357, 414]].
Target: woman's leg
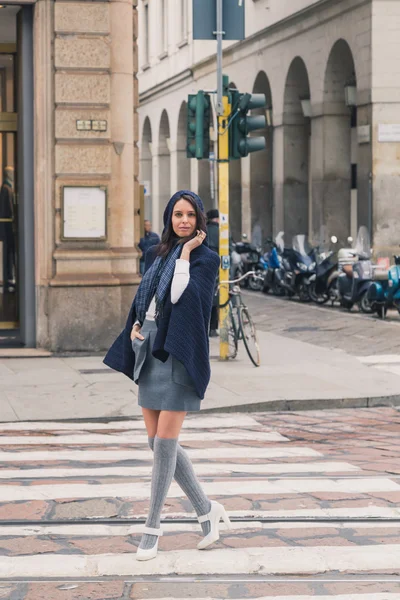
[[165, 450], [184, 473], [151, 420]]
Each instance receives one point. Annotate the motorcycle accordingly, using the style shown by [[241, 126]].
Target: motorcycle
[[357, 273], [384, 292], [274, 260], [251, 260], [298, 265], [323, 284]]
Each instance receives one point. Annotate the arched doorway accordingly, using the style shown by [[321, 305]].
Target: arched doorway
[[296, 150], [261, 169], [164, 166], [339, 198], [146, 168], [183, 161]]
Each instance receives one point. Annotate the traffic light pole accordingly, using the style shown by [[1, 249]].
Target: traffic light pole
[[223, 113], [223, 202]]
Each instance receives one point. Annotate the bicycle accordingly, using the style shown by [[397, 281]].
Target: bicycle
[[241, 324]]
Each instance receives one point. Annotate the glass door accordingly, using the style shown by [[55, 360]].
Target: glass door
[[9, 316]]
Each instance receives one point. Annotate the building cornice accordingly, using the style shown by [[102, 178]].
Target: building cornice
[[156, 90], [245, 46]]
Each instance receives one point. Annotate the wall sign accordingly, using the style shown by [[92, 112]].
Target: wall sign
[[364, 134], [389, 133], [84, 213]]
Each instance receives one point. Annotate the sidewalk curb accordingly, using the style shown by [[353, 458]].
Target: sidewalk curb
[[309, 404], [271, 406]]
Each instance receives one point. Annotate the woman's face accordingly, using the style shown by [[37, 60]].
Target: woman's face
[[184, 219]]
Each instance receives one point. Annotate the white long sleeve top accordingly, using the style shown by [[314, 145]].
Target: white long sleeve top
[[179, 284]]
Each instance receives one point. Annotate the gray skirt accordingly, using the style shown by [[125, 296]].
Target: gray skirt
[[162, 386]]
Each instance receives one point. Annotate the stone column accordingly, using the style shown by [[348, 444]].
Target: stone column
[[44, 163], [246, 202], [278, 178], [173, 150], [385, 116], [122, 138], [295, 185], [155, 199], [194, 176], [331, 173], [94, 280]]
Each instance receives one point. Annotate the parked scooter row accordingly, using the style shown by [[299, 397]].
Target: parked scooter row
[[322, 274]]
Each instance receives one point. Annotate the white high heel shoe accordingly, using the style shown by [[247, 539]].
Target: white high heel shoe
[[216, 513], [142, 554]]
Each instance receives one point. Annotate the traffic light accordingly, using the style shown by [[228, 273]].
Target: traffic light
[[242, 124], [198, 125]]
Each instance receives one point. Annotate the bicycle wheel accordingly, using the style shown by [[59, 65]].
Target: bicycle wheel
[[249, 336], [233, 335]]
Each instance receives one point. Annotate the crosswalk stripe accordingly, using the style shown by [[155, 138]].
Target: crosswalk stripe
[[135, 438], [272, 561], [375, 596], [201, 469], [191, 422], [12, 493], [195, 453], [100, 530]]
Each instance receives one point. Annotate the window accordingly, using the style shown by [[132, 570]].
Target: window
[[164, 27], [184, 20], [146, 45]]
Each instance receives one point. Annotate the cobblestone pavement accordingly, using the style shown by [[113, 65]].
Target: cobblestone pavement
[[353, 332], [314, 499]]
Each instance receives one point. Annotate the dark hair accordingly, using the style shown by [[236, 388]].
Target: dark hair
[[169, 237]]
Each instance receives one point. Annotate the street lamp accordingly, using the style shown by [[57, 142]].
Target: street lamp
[[350, 94], [306, 107]]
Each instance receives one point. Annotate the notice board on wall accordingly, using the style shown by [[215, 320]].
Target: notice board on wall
[[84, 213]]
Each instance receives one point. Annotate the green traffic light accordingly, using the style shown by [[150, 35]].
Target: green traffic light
[[242, 124], [198, 125]]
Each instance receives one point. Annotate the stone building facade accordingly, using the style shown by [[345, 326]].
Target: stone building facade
[[329, 69], [77, 93]]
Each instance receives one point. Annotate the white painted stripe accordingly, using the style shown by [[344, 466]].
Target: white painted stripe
[[135, 438], [92, 530], [195, 453], [382, 359], [276, 560], [384, 596], [201, 469], [191, 422], [13, 493]]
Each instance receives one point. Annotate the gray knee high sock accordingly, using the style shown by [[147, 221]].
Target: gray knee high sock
[[188, 482], [163, 471]]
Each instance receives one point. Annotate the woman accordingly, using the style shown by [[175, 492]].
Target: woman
[[164, 348]]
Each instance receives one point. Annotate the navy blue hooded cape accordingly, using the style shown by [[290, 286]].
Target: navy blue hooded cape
[[183, 327]]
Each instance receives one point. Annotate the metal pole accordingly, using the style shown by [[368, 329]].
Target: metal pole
[[223, 202], [219, 33]]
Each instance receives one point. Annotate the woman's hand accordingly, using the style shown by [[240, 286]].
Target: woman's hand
[[192, 244], [135, 333]]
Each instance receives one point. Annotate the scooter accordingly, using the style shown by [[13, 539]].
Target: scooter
[[251, 260], [384, 291], [323, 284], [274, 260], [298, 265], [357, 274]]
